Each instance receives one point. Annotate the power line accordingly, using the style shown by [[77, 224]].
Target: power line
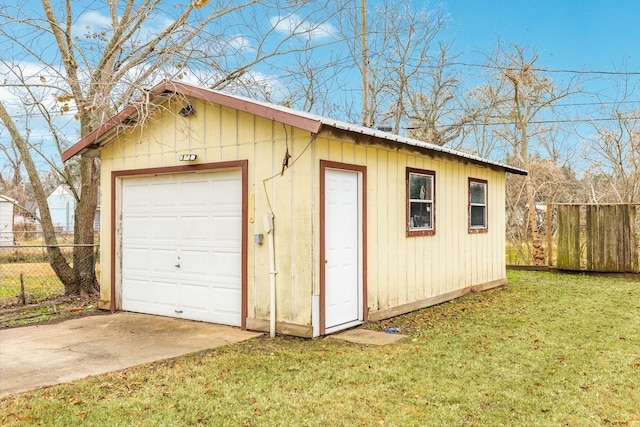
[[549, 70], [533, 122]]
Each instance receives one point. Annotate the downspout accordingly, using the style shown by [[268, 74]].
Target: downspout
[[268, 228]]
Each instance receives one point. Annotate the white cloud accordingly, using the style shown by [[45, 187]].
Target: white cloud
[[95, 22], [293, 24], [91, 22], [240, 43]]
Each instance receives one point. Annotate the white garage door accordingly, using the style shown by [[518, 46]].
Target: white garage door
[[182, 246]]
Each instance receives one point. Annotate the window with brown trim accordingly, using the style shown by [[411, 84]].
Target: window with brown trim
[[477, 205], [421, 202]]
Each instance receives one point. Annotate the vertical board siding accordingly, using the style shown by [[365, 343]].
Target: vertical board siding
[[382, 238], [405, 269], [302, 214], [413, 261], [400, 269], [394, 251], [282, 186], [373, 218], [218, 134], [402, 263], [263, 169]]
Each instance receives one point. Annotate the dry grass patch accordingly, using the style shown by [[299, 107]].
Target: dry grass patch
[[545, 350]]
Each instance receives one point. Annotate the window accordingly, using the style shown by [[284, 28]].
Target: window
[[477, 205], [420, 202]]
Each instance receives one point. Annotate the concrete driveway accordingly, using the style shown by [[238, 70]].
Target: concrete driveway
[[43, 355]]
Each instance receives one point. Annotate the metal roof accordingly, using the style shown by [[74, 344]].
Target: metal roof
[[300, 119]]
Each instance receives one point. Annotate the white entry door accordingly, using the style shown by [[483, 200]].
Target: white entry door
[[343, 279], [181, 240]]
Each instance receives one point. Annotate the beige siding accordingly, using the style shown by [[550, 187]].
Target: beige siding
[[218, 134], [401, 269]]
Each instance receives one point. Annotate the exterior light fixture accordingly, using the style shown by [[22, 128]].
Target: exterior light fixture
[[187, 157], [187, 110]]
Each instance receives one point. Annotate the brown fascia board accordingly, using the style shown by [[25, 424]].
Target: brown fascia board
[[312, 125]]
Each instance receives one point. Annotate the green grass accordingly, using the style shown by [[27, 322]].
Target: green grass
[[40, 282], [544, 350]]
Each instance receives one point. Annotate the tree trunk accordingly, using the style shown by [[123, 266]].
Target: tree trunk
[[56, 258], [538, 250], [79, 279], [84, 251]]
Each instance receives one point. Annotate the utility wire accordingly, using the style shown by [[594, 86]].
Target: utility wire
[[538, 122]]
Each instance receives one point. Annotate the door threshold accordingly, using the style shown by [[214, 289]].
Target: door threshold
[[343, 326]]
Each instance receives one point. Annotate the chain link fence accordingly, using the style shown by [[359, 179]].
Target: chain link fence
[[26, 277]]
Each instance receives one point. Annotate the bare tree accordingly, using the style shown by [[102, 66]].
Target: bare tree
[[435, 113], [613, 148], [398, 64], [57, 66], [518, 96]]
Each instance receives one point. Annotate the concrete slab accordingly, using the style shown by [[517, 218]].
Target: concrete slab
[[363, 336], [42, 355]]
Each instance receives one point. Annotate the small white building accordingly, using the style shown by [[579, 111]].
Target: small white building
[[62, 205], [6, 221]]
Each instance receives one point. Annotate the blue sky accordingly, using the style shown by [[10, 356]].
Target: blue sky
[[589, 35], [568, 34]]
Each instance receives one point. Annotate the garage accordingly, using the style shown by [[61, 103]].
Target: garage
[[181, 245]]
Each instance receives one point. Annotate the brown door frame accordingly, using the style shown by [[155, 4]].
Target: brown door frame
[[362, 170], [241, 165]]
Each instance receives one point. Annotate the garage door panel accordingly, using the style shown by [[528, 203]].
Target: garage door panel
[[194, 220], [163, 228], [223, 299], [195, 296], [164, 293], [137, 227], [194, 194], [195, 263], [192, 228], [135, 259], [226, 265], [169, 191], [136, 196], [136, 291], [163, 261], [227, 230]]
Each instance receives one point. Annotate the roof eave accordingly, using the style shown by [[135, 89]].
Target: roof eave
[[421, 144], [93, 139]]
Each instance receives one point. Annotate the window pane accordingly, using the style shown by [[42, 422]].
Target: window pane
[[420, 187], [478, 216], [478, 193], [420, 215]]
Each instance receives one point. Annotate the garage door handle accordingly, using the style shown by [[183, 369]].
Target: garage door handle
[[177, 265], [178, 311]]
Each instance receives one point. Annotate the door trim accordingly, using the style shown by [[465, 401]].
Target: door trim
[[116, 240], [362, 171]]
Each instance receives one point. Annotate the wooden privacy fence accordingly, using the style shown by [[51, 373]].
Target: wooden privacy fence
[[598, 237]]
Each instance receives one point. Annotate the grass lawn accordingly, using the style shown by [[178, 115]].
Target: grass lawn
[[40, 282], [544, 350]]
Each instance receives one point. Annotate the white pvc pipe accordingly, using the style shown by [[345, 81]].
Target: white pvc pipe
[[268, 228]]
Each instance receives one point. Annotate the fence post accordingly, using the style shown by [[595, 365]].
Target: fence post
[[549, 237], [23, 297]]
